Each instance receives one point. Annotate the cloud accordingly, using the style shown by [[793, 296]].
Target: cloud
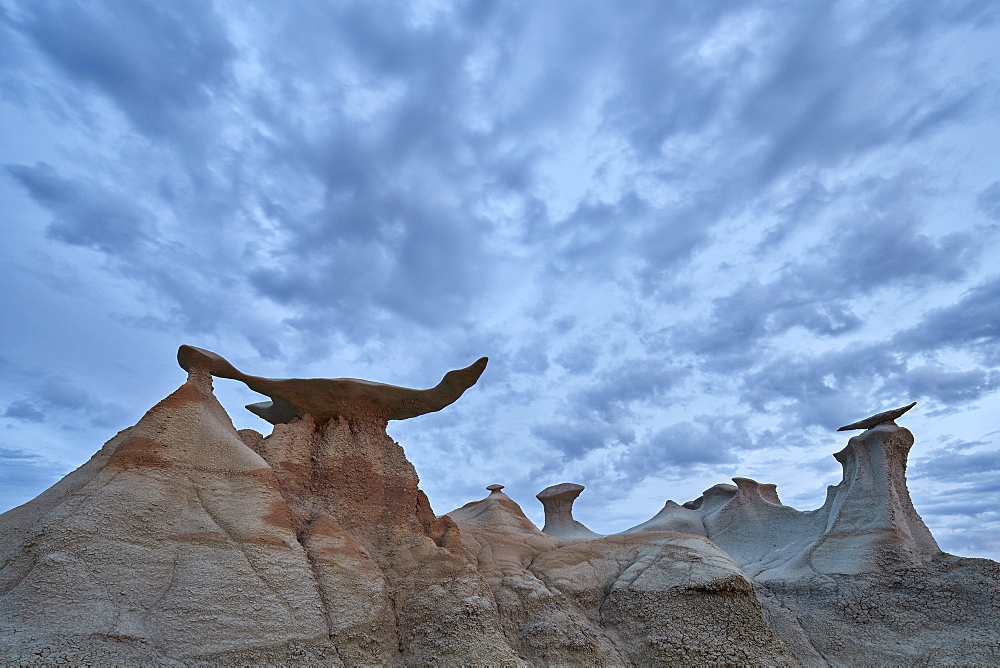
[[55, 396], [638, 211], [968, 324], [85, 214], [875, 249], [613, 393], [705, 441], [833, 90], [954, 466], [157, 62], [577, 439], [946, 386], [24, 410], [988, 201], [25, 474], [820, 389]]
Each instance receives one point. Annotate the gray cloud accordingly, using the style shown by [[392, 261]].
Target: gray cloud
[[945, 386], [25, 474], [706, 441], [157, 62], [85, 215], [970, 323], [869, 251], [611, 395], [988, 201], [24, 410]]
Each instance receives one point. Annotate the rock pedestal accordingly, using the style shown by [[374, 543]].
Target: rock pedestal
[[558, 503]]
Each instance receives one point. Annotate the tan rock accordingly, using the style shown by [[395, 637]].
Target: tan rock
[[172, 543], [539, 621]]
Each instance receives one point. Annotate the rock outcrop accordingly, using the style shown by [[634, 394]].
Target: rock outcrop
[[646, 599], [860, 578], [867, 524], [174, 542], [184, 541]]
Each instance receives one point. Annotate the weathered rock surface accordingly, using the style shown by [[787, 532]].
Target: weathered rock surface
[[183, 541], [651, 598], [172, 544], [867, 524], [859, 579]]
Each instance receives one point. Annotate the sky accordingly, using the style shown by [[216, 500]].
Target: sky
[[693, 238]]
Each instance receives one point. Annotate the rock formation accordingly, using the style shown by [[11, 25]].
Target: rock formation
[[557, 500], [326, 398], [887, 417], [173, 542], [185, 541], [868, 522]]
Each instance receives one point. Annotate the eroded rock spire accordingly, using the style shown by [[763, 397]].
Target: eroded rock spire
[[326, 398]]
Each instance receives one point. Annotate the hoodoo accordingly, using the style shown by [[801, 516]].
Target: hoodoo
[[558, 503]]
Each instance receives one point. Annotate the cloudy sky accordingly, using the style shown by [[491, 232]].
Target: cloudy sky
[[694, 238]]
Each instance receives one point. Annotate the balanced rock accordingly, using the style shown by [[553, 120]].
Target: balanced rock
[[888, 417], [859, 579], [326, 398]]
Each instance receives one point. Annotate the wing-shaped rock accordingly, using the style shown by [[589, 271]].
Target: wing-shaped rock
[[877, 419], [326, 398]]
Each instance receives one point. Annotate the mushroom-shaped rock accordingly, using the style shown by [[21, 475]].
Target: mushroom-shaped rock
[[558, 503], [326, 398], [880, 418], [494, 488]]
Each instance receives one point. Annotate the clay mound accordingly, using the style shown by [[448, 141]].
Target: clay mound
[[124, 557], [500, 515], [673, 517], [666, 598]]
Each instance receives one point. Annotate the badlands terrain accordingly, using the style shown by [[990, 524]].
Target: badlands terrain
[[185, 541]]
